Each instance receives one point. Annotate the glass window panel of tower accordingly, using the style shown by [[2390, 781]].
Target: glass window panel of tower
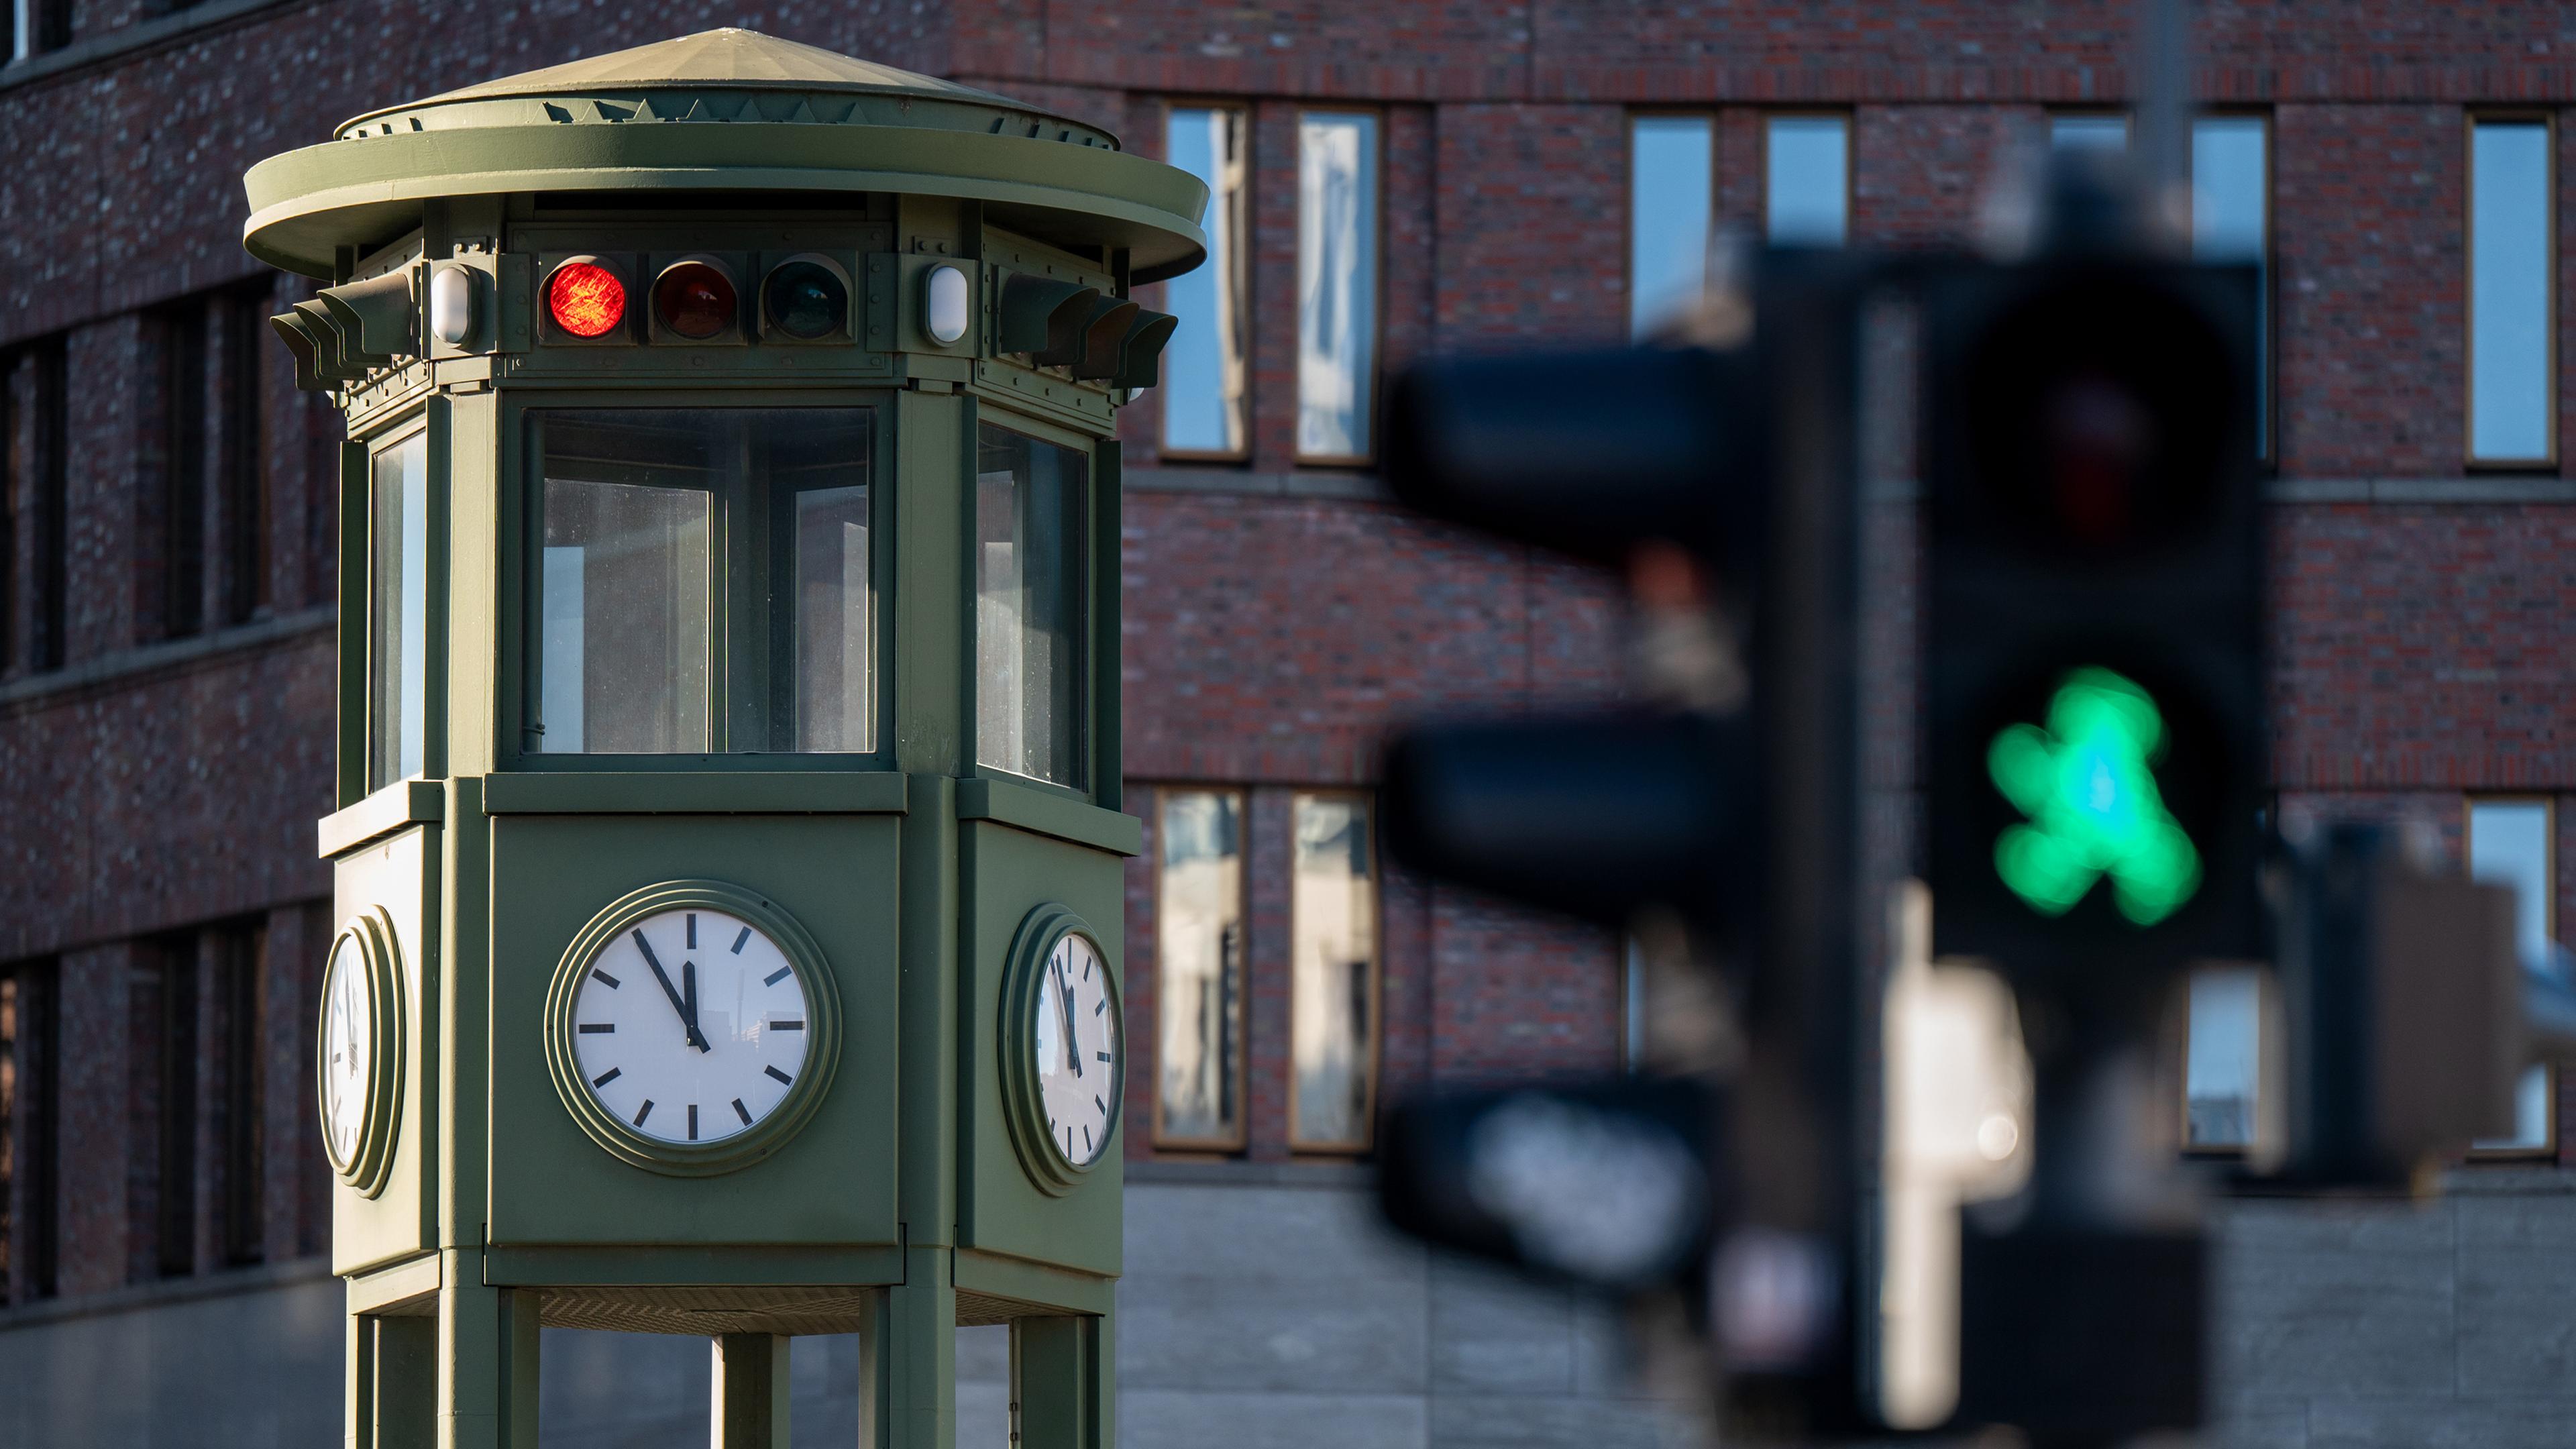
[[686, 547], [1032, 517], [398, 612]]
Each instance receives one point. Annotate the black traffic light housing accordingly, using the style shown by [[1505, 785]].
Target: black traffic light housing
[[2095, 652]]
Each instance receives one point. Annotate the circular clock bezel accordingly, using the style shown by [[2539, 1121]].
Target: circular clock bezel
[[753, 1143], [378, 953], [1023, 1104]]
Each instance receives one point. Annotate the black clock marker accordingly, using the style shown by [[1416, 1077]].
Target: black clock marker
[[1104, 1056], [693, 1121], [782, 1076], [1100, 1006], [1103, 1106], [592, 1028], [1086, 1139], [604, 978], [740, 1111], [781, 974], [693, 930], [787, 1026], [606, 1077], [644, 1111], [739, 940]]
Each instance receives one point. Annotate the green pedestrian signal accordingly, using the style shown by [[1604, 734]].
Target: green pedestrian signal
[[2087, 783]]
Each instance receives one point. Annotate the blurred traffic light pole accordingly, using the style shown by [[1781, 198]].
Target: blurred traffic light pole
[[2091, 777]]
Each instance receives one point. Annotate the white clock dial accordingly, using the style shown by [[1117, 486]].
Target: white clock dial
[[690, 1026], [348, 1049], [1078, 1051]]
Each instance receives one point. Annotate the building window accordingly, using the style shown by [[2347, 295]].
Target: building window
[[1199, 969], [28, 1118], [237, 970], [1333, 982], [183, 469], [2089, 130], [2222, 1068], [1337, 262], [241, 457], [1205, 369], [1806, 181], [2509, 843], [37, 26], [34, 419], [2512, 309], [1671, 173], [1032, 527], [688, 550], [398, 612], [2231, 204]]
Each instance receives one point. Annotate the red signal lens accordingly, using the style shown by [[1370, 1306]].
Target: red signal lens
[[695, 300], [586, 299]]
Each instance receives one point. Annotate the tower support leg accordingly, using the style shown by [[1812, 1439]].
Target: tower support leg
[[1061, 1386], [750, 1400], [487, 1361]]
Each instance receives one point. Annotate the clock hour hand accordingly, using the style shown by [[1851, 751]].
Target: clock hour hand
[[688, 1021]]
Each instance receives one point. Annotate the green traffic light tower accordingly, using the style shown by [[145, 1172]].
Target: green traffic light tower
[[728, 847]]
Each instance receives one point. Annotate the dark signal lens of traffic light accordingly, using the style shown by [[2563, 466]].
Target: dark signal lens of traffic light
[[805, 300], [586, 299], [695, 300], [2097, 411]]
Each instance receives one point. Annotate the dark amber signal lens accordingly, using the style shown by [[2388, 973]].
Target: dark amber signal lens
[[586, 299], [695, 300], [804, 300]]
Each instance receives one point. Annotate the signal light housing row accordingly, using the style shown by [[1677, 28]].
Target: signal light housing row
[[694, 301], [1098, 337]]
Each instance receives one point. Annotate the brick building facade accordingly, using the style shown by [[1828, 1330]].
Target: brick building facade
[[168, 553]]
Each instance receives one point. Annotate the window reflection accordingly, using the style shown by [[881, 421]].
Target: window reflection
[[1807, 181], [683, 550], [398, 613], [1199, 968], [1336, 285], [1333, 974], [2510, 313], [2230, 219], [2222, 1068], [1031, 524], [1203, 369], [2509, 845], [1671, 168]]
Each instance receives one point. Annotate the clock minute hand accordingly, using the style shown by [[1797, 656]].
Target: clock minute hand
[[678, 1007], [1072, 1036], [689, 993]]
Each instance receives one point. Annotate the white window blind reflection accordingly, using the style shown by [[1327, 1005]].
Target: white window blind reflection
[[2510, 311], [2509, 845], [1336, 285], [1671, 168], [1203, 368], [1332, 1031], [1807, 181], [1199, 968], [1032, 511], [2230, 222]]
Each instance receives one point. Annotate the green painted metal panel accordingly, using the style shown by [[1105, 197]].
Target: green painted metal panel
[[834, 1182], [398, 875]]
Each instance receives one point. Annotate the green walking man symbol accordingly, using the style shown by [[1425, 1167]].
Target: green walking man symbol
[[2088, 786]]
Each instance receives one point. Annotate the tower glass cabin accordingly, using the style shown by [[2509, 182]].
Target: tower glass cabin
[[728, 840]]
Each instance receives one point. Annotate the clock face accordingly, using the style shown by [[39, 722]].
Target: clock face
[[1078, 1052], [690, 1026], [348, 1049]]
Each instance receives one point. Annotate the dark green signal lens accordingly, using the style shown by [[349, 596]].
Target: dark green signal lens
[[805, 300]]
